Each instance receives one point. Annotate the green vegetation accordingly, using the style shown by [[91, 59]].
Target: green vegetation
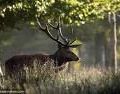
[[71, 11], [87, 81]]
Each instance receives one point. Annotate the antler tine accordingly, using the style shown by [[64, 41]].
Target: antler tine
[[46, 30], [55, 27], [73, 46], [43, 29], [61, 34], [63, 38], [59, 31], [72, 41]]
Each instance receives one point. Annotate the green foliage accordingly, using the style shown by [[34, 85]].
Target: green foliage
[[71, 11]]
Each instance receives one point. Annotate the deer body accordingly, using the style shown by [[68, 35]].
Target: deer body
[[59, 58], [17, 63]]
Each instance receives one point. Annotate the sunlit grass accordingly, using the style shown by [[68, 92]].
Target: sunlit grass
[[88, 80]]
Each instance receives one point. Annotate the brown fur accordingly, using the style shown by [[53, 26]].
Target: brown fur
[[61, 57]]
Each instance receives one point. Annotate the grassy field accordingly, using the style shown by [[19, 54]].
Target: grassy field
[[85, 81]]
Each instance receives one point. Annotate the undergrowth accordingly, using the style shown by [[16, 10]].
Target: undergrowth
[[44, 80]]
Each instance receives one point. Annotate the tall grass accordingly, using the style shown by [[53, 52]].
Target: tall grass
[[43, 80]]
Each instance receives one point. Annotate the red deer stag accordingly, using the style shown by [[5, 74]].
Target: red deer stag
[[60, 57]]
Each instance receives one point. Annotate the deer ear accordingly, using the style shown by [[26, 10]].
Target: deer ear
[[74, 46]]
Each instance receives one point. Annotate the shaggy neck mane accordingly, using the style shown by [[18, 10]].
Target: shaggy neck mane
[[58, 60]]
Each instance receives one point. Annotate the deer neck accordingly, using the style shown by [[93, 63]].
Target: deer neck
[[58, 60]]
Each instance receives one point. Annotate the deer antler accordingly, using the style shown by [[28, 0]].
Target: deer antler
[[60, 34], [58, 27], [46, 30]]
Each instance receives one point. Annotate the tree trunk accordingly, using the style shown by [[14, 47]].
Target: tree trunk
[[114, 44], [114, 51]]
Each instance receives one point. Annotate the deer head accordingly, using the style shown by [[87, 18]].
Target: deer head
[[64, 53]]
